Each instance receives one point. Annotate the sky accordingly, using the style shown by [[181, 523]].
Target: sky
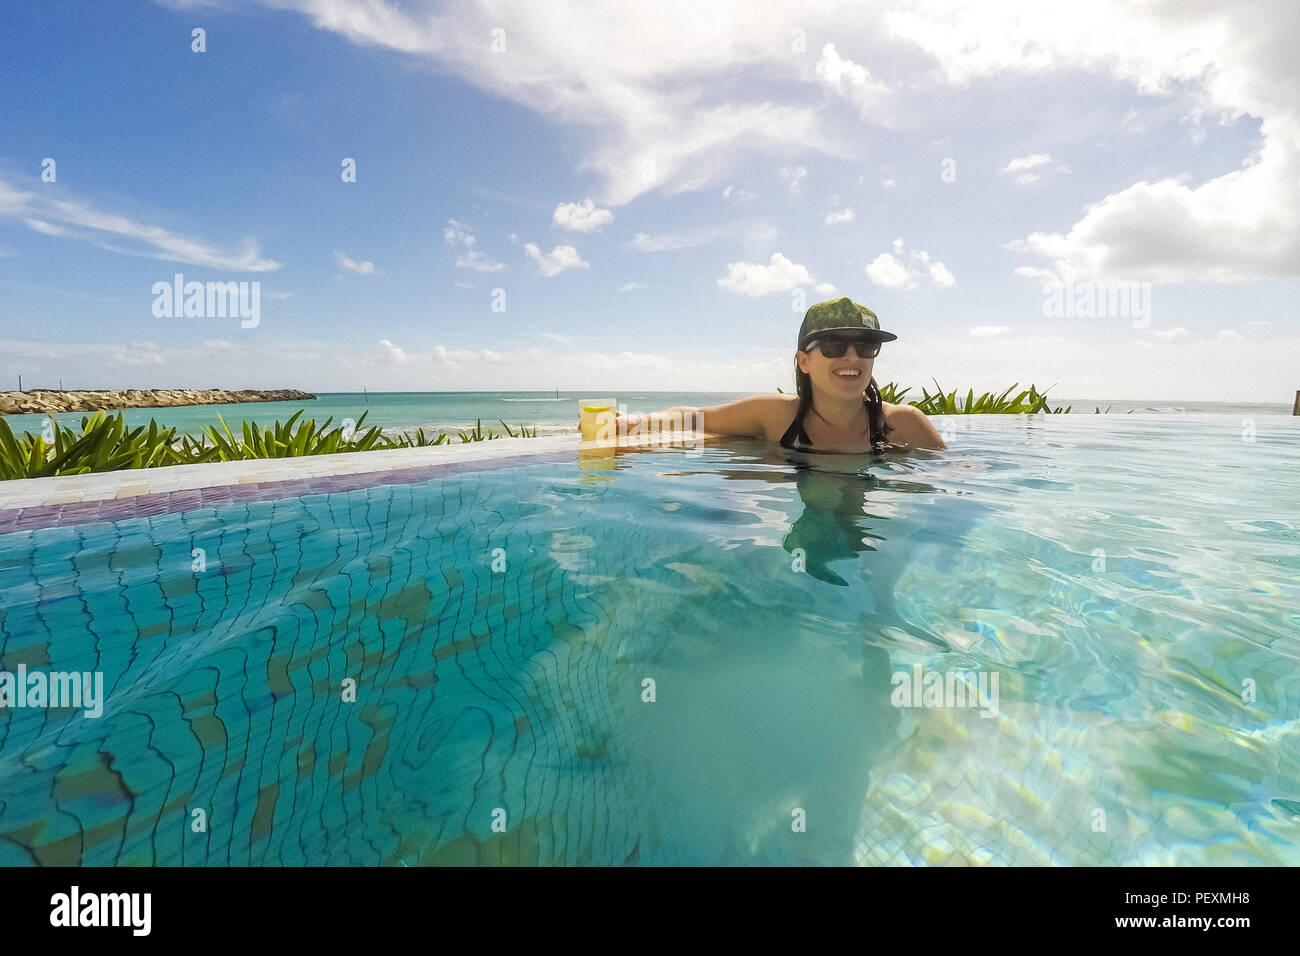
[[1103, 198]]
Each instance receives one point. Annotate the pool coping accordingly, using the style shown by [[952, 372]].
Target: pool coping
[[29, 504]]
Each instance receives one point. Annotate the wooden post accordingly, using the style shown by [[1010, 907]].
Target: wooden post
[[1295, 409]]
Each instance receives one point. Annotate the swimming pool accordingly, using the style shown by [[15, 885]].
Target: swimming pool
[[688, 658]]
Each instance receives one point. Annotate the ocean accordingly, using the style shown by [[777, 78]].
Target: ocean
[[545, 411]]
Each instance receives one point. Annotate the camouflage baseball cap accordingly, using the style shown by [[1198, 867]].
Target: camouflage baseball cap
[[840, 315]]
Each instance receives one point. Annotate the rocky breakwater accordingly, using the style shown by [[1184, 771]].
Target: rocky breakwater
[[38, 401]]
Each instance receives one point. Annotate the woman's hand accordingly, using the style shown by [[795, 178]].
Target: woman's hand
[[622, 423]]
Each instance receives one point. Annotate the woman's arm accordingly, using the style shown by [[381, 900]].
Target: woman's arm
[[745, 416]]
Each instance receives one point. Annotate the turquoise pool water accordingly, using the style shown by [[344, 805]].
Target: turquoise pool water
[[1128, 581]]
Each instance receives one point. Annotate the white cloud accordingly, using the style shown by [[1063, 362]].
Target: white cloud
[[940, 276], [556, 261], [45, 228], [939, 273], [779, 275], [1022, 164], [855, 83], [703, 236], [1087, 366], [989, 331], [838, 216], [741, 195], [626, 360], [360, 268], [581, 217], [825, 288], [644, 242], [1240, 226], [76, 219], [887, 271], [1230, 335], [78, 361], [497, 364], [457, 234], [1032, 272], [564, 340], [631, 287], [793, 176], [759, 238], [1170, 335], [905, 270], [390, 354], [649, 85]]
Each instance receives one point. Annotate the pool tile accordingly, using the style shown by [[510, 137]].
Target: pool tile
[[28, 504]]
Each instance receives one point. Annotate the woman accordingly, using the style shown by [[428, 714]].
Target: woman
[[830, 411]]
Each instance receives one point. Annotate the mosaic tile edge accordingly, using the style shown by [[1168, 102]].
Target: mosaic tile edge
[[148, 504]]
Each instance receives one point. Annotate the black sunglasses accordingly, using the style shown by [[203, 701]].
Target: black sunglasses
[[836, 347]]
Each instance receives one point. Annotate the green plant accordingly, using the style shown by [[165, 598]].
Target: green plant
[[106, 444], [285, 441], [1027, 401], [524, 431], [419, 439], [889, 393], [477, 433]]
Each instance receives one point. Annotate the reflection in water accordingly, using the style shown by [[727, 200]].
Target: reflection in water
[[837, 523], [777, 690]]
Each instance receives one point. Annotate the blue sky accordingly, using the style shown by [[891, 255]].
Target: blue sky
[[655, 192]]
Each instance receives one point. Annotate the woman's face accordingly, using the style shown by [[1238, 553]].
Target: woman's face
[[847, 375]]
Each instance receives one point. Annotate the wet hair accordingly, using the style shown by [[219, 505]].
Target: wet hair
[[875, 408]]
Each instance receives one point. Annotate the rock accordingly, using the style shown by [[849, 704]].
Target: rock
[[46, 400]]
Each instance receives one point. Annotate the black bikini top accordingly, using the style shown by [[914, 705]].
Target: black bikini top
[[796, 438]]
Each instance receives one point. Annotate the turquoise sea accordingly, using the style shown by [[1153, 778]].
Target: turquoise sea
[[549, 412]]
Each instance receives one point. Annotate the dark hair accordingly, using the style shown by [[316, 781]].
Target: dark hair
[[875, 408]]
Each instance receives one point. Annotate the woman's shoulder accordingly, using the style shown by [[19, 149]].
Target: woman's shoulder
[[901, 420], [776, 411], [909, 425], [780, 409], [900, 411]]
